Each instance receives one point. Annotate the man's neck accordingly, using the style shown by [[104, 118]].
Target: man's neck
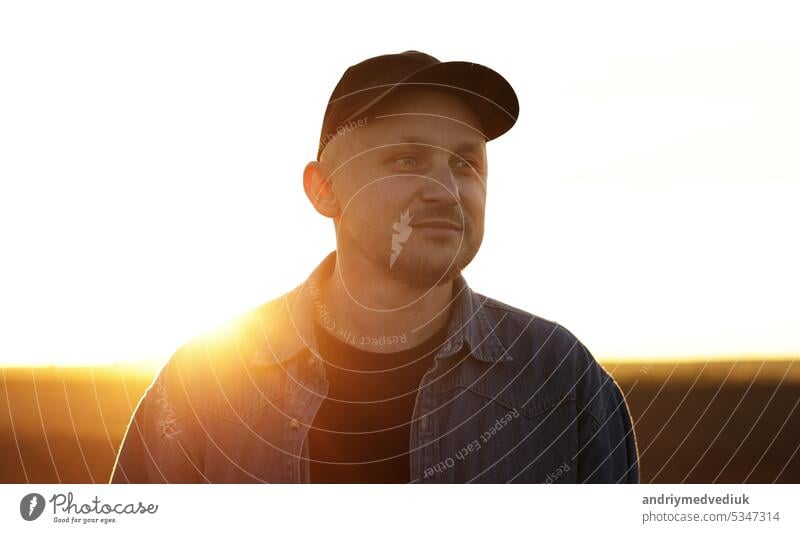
[[368, 307]]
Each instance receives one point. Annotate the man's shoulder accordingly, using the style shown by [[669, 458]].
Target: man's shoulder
[[240, 335], [213, 370], [525, 334], [550, 353]]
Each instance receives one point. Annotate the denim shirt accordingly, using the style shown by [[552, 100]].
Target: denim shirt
[[510, 397]]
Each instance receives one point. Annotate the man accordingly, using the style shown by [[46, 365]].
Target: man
[[384, 366]]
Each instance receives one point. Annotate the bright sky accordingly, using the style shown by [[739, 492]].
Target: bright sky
[[151, 158]]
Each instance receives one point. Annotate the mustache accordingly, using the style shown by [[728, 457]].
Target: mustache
[[455, 215]]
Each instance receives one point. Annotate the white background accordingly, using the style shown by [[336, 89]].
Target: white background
[[151, 158]]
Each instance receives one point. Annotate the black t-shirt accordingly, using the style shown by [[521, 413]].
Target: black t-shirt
[[365, 418]]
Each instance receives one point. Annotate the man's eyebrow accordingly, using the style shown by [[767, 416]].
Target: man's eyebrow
[[466, 146], [469, 146]]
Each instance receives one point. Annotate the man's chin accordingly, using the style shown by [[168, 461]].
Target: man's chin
[[426, 271]]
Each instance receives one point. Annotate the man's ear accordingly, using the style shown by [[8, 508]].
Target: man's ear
[[319, 191]]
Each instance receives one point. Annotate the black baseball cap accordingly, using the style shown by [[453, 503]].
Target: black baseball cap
[[365, 84]]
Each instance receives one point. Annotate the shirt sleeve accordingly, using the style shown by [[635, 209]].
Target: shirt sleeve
[[607, 443], [157, 443]]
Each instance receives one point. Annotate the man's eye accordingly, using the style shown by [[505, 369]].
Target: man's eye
[[407, 161], [464, 164]]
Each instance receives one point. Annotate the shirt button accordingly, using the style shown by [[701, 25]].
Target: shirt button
[[294, 423]]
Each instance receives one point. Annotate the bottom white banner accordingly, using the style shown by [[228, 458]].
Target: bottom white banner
[[399, 507]]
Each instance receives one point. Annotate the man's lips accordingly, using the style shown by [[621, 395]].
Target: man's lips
[[441, 224]]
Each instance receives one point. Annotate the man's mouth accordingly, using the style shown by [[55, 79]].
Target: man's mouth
[[437, 223]]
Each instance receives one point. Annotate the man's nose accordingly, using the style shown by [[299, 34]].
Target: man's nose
[[440, 185]]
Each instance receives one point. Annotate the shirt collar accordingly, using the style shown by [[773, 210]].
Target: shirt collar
[[285, 326]]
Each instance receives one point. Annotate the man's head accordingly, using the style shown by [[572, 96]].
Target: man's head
[[405, 180]]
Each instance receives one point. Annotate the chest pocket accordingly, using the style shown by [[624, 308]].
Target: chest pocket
[[493, 386], [236, 396], [531, 406], [520, 432]]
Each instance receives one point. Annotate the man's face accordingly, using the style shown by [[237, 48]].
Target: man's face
[[411, 187]]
